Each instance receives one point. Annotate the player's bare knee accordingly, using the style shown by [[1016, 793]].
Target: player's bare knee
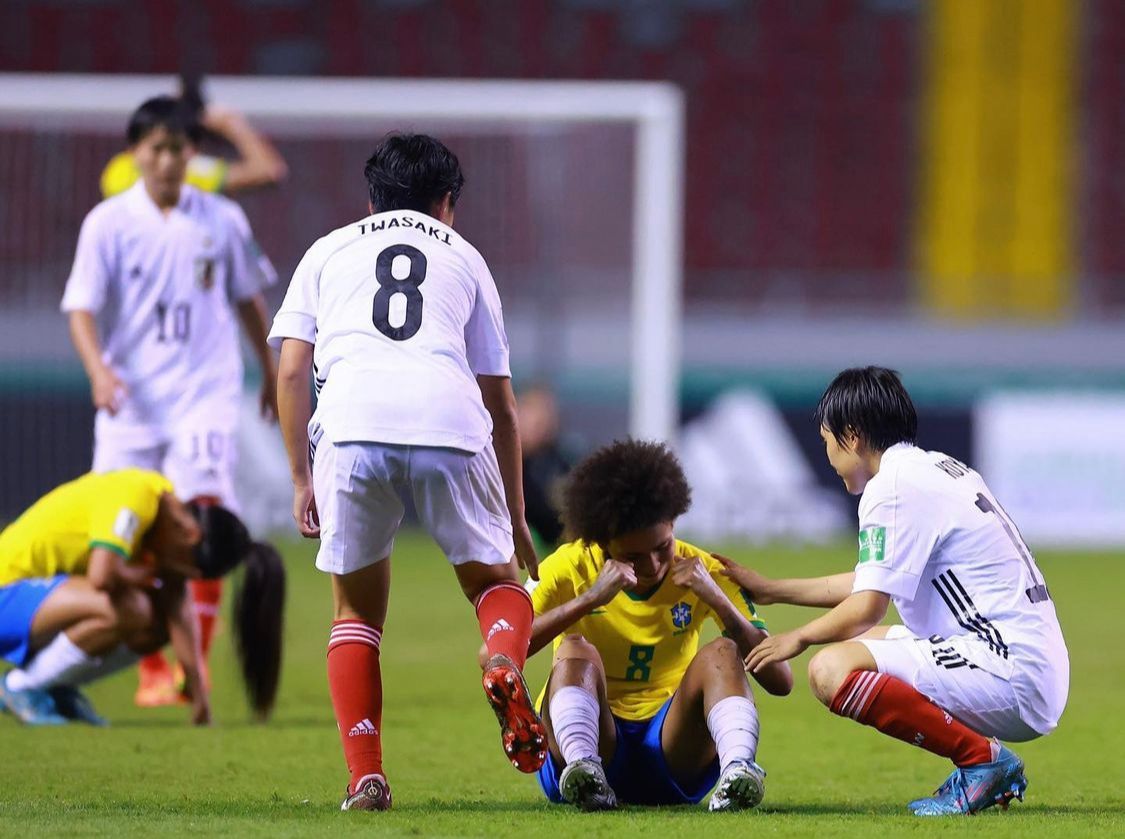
[[722, 650], [826, 674], [577, 662], [132, 610]]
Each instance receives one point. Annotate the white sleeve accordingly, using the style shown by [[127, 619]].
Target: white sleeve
[[250, 269], [897, 536], [95, 262], [297, 316], [486, 343]]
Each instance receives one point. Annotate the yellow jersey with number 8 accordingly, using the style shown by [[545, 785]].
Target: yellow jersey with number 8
[[646, 641]]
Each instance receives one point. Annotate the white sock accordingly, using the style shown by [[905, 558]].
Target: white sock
[[574, 720], [116, 659], [52, 665], [733, 723]]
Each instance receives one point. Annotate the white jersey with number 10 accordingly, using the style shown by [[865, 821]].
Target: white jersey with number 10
[[403, 314]]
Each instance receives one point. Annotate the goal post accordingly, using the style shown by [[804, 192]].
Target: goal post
[[303, 105]]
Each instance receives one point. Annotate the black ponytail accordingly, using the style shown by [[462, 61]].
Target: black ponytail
[[259, 604]]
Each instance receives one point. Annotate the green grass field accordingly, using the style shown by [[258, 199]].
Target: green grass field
[[152, 774]]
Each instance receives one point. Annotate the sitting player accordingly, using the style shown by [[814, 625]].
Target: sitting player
[[981, 654], [633, 709], [93, 575]]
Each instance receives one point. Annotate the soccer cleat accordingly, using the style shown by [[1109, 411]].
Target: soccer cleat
[[741, 787], [583, 784], [31, 707], [374, 793], [71, 703], [156, 687], [972, 789], [521, 731]]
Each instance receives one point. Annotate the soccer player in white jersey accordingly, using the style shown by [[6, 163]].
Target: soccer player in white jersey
[[162, 275], [399, 320], [980, 656]]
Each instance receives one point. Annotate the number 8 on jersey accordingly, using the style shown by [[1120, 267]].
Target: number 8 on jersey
[[389, 286]]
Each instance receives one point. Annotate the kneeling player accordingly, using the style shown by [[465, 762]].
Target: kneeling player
[[634, 709], [93, 575], [981, 654]]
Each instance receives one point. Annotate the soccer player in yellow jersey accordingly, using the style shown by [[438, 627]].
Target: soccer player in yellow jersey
[[257, 163], [93, 574], [635, 710]]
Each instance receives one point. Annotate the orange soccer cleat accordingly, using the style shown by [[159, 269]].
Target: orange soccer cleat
[[156, 684], [521, 731]]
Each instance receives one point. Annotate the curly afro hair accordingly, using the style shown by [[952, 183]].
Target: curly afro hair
[[626, 486]]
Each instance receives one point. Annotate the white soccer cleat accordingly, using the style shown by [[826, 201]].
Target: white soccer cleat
[[583, 784], [741, 787]]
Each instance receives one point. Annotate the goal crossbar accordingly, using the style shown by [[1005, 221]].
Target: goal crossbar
[[656, 109]]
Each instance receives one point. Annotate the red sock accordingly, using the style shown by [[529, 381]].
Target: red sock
[[505, 615], [356, 686], [897, 709], [205, 595], [154, 666]]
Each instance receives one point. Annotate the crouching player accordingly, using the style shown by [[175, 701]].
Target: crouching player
[[634, 709], [980, 657], [93, 575]]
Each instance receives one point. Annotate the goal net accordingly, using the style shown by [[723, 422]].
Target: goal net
[[573, 195]]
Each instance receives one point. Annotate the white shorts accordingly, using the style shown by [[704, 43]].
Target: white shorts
[[360, 490], [197, 462], [983, 701]]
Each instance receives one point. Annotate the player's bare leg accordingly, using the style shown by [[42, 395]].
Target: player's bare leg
[[74, 634], [504, 613], [845, 677], [713, 714], [355, 680], [581, 735]]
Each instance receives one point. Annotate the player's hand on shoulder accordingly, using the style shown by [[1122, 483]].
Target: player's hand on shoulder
[[526, 556], [107, 390], [304, 511], [689, 572], [614, 576], [758, 585]]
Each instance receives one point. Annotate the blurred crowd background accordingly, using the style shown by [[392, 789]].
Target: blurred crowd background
[[936, 186]]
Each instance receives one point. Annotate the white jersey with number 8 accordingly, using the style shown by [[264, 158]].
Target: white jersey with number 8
[[403, 314]]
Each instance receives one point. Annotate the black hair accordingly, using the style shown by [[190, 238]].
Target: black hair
[[259, 609], [626, 486], [412, 172], [174, 115], [871, 402], [259, 598]]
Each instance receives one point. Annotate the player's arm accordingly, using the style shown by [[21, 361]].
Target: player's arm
[[691, 573], [825, 592], [252, 314], [106, 388], [108, 571], [258, 163], [173, 602], [858, 612], [500, 402], [294, 409]]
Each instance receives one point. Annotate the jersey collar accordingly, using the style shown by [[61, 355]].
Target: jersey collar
[[894, 452], [143, 202]]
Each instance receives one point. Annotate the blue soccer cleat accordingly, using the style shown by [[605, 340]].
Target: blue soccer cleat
[[71, 703], [971, 789], [31, 707]]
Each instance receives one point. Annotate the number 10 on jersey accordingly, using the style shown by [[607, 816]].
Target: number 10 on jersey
[[389, 286]]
